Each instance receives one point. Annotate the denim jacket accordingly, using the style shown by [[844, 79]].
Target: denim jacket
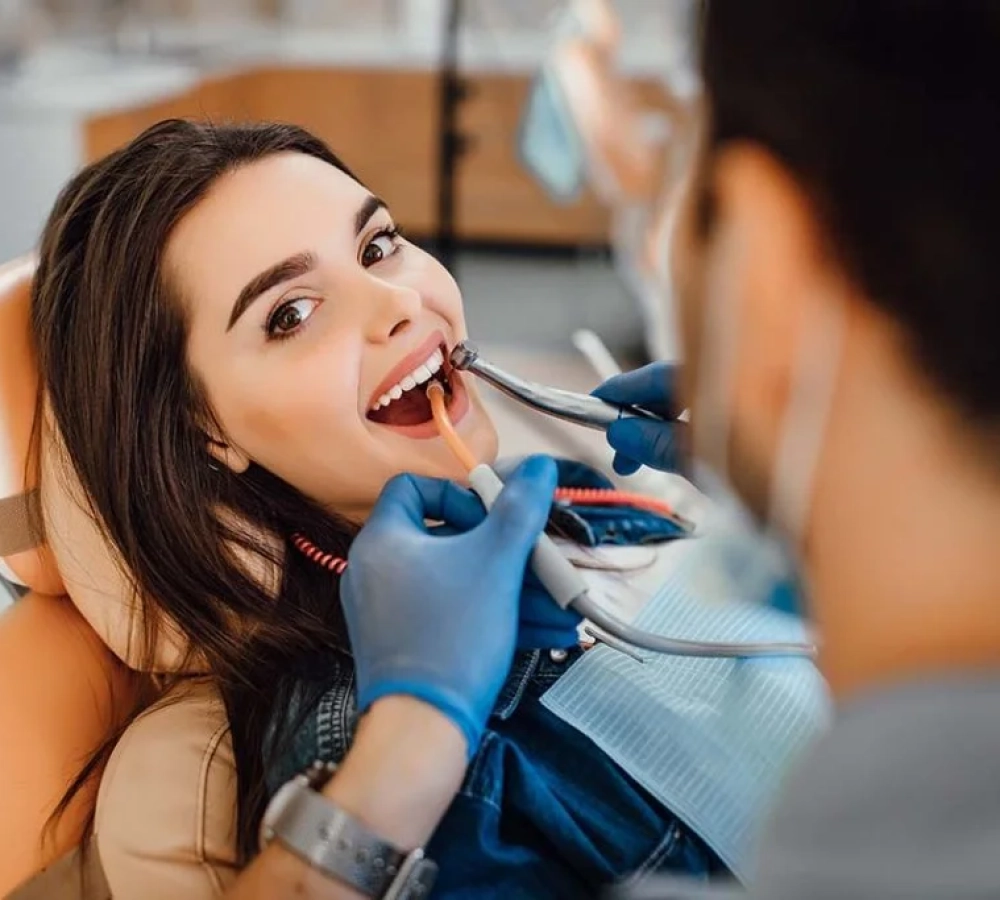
[[542, 812]]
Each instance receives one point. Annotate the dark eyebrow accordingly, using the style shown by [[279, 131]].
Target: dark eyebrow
[[368, 209], [293, 267]]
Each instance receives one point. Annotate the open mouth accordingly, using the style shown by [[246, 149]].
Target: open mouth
[[403, 403]]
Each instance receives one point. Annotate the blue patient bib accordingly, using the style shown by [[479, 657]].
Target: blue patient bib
[[709, 738]]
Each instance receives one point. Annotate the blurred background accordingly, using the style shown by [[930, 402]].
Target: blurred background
[[427, 100], [79, 77]]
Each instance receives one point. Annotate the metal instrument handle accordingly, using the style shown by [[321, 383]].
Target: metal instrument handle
[[581, 409]]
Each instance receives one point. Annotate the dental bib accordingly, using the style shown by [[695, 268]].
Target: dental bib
[[710, 738]]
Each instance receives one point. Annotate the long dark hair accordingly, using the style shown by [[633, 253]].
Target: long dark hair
[[896, 146], [194, 539]]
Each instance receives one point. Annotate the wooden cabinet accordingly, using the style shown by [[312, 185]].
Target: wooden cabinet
[[497, 199], [383, 124], [220, 98]]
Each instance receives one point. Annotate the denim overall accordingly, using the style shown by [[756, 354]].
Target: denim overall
[[542, 812]]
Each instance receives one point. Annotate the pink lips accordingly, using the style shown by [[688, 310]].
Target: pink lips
[[458, 403], [407, 364]]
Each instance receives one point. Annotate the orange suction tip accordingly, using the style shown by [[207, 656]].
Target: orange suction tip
[[439, 409]]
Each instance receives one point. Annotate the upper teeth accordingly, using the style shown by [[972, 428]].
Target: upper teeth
[[420, 375]]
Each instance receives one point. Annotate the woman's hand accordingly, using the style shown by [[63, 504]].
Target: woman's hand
[[436, 616]]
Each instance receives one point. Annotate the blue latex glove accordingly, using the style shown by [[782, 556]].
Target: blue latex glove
[[542, 623], [638, 442], [434, 616]]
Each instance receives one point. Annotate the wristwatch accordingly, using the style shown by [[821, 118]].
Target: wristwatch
[[338, 845]]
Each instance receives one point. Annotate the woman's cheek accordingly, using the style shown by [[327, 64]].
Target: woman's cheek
[[450, 308], [440, 291]]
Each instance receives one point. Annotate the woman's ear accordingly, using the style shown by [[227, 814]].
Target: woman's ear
[[232, 458]]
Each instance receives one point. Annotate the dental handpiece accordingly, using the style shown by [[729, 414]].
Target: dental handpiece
[[569, 590], [571, 407]]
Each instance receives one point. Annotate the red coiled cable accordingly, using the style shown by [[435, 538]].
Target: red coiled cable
[[579, 496], [611, 497], [310, 551]]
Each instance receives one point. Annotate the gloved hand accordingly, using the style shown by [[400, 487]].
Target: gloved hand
[[434, 616], [542, 624], [639, 442]]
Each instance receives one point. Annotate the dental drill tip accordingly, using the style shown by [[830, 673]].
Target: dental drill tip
[[464, 355]]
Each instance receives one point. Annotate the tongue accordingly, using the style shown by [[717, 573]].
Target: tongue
[[413, 408]]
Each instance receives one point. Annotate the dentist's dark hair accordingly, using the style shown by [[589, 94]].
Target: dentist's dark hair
[[886, 112], [110, 329]]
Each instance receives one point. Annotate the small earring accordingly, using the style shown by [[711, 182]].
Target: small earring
[[213, 467]]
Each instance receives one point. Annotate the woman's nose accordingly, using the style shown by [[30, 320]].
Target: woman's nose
[[395, 308]]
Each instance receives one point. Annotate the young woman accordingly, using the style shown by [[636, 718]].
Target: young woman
[[233, 338]]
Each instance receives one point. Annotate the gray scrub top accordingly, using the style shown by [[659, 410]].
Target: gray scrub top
[[899, 799]]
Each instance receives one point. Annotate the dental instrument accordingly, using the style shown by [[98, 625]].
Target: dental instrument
[[596, 352], [565, 583], [581, 409]]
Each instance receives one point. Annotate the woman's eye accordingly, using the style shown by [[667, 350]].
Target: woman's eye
[[288, 317], [380, 247]]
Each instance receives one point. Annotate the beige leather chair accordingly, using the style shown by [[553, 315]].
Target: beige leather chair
[[60, 687], [164, 814]]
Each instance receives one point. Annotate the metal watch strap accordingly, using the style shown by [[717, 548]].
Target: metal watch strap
[[340, 846]]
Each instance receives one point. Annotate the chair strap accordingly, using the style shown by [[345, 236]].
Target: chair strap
[[76, 876], [20, 519]]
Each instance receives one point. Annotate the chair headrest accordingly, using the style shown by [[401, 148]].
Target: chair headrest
[[61, 694], [23, 556], [69, 555]]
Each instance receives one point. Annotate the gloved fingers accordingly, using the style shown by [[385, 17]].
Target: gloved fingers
[[414, 498], [530, 638], [457, 508], [539, 610], [625, 465], [521, 511], [653, 444], [543, 623], [651, 387]]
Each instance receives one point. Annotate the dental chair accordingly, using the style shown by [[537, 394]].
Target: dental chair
[[68, 652]]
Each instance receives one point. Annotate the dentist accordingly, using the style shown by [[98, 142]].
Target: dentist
[[840, 311]]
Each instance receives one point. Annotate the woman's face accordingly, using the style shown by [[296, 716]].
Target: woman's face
[[314, 329]]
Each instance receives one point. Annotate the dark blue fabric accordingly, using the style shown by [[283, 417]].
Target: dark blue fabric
[[543, 812], [594, 526]]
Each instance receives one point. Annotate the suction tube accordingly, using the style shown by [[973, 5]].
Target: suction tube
[[568, 588]]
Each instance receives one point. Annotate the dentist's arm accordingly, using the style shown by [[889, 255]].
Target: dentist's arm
[[401, 774], [434, 621]]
